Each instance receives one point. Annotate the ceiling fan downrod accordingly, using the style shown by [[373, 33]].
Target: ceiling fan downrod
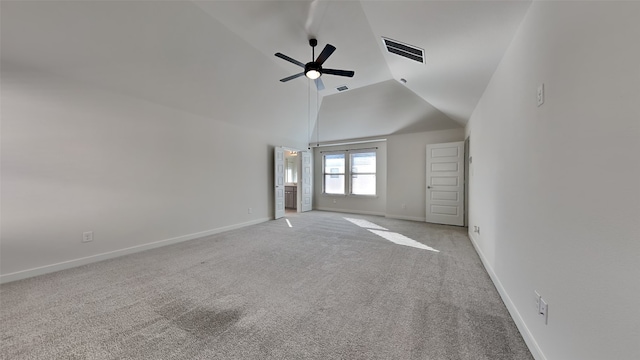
[[313, 43]]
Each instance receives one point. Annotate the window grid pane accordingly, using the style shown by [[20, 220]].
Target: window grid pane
[[334, 163], [362, 184], [334, 184], [363, 162]]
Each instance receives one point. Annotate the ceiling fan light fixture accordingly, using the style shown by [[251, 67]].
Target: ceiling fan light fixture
[[312, 70], [313, 74]]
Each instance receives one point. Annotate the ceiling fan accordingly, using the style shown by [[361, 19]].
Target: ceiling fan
[[313, 70]]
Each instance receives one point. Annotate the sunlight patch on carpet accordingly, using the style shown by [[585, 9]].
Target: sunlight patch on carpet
[[394, 237], [401, 240]]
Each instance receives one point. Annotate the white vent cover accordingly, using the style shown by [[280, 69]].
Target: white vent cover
[[405, 50]]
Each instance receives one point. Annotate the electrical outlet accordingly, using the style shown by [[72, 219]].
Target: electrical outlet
[[87, 236], [540, 94], [544, 310], [404, 206], [537, 298], [334, 201], [250, 211]]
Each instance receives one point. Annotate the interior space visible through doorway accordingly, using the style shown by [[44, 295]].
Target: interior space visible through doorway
[[291, 178]]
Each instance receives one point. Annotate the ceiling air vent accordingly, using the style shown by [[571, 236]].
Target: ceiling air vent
[[404, 50], [342, 88]]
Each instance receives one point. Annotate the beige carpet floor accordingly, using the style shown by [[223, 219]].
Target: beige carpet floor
[[325, 288]]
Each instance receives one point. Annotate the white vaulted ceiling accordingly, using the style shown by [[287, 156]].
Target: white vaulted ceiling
[[201, 56]]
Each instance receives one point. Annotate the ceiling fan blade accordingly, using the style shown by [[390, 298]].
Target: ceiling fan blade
[[292, 77], [319, 84], [326, 52], [348, 73], [285, 57]]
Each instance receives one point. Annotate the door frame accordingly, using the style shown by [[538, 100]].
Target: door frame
[[467, 174], [299, 169], [278, 182]]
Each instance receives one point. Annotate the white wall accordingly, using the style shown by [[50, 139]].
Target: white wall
[[374, 205], [76, 159], [555, 189], [406, 171], [134, 121]]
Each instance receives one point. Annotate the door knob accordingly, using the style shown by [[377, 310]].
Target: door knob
[[428, 187]]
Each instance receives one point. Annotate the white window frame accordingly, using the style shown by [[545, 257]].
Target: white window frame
[[348, 174], [352, 174], [324, 173]]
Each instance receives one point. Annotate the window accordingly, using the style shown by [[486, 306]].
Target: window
[[363, 173], [361, 167], [334, 165]]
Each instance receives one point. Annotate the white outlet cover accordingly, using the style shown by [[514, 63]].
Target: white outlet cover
[[540, 96], [544, 310], [87, 236]]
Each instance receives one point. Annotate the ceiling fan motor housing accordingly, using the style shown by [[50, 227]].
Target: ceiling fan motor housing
[[311, 66]]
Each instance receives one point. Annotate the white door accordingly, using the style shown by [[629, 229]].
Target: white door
[[279, 181], [305, 185], [445, 183]]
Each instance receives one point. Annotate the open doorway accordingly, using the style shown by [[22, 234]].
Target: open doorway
[[291, 171]]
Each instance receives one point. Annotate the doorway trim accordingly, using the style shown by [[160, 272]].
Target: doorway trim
[[301, 177], [467, 165]]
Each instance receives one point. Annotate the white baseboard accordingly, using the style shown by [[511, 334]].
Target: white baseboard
[[349, 211], [23, 274], [513, 311], [404, 217]]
